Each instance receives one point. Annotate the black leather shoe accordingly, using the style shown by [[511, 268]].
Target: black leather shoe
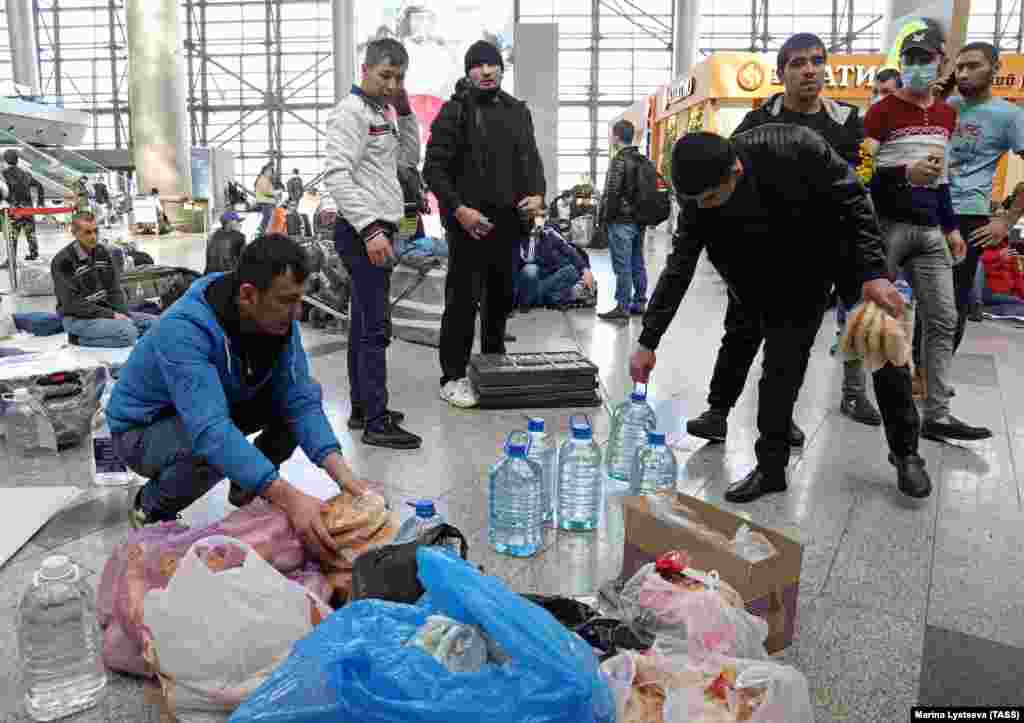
[[860, 409], [712, 425], [796, 435], [358, 419], [756, 484], [391, 436], [949, 427], [32, 257], [616, 314], [913, 479]]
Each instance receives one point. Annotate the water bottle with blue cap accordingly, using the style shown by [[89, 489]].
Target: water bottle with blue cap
[[578, 498], [631, 422], [423, 521], [516, 524], [655, 468], [542, 451]]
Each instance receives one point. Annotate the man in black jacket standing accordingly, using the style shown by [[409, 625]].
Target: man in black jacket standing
[[19, 187], [483, 165], [625, 235], [756, 203], [801, 65]]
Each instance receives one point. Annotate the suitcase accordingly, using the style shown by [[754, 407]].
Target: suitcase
[[534, 381], [68, 386], [166, 283]]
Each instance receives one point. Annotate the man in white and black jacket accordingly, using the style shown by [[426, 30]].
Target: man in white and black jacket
[[758, 204], [370, 133], [482, 164]]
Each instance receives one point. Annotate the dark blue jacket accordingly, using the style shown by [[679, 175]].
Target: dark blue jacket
[[553, 252], [185, 365]]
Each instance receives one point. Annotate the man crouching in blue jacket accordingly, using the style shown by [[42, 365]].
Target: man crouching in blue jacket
[[225, 361]]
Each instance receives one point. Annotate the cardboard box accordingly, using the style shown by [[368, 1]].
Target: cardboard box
[[769, 587]]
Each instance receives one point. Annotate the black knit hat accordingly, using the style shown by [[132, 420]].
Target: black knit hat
[[701, 161], [483, 53], [11, 156]]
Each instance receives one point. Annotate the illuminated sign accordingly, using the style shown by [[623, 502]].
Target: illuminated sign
[[843, 76], [681, 90]]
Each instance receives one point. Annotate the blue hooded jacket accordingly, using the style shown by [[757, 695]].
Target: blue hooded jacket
[[185, 362]]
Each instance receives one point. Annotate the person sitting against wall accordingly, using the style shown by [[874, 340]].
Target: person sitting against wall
[[90, 299], [551, 269]]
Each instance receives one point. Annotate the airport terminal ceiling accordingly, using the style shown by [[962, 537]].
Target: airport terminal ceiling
[[260, 79]]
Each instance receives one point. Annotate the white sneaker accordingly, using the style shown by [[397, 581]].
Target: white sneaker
[[460, 394]]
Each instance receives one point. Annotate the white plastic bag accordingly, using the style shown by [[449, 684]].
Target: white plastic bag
[[218, 635], [7, 326]]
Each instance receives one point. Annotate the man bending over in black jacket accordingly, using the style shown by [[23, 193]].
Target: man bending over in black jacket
[[483, 165], [758, 203]]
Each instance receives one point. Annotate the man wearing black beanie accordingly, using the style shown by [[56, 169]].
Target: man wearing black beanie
[[783, 218], [482, 164]]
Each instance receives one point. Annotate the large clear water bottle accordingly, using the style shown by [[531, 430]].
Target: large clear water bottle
[[107, 468], [631, 422], [542, 451], [655, 468], [31, 442], [59, 643], [578, 499], [517, 513]]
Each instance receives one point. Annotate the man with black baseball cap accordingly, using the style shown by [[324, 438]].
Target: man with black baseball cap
[[766, 205]]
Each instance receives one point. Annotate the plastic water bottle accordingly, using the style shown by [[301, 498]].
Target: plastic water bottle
[[107, 468], [59, 643], [655, 467], [31, 442], [517, 513], [632, 420], [579, 480], [417, 526], [542, 451]]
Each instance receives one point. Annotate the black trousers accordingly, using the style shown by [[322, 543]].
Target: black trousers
[[788, 332], [481, 276]]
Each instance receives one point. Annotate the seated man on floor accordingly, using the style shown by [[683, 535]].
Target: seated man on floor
[[90, 299], [551, 269], [227, 361]]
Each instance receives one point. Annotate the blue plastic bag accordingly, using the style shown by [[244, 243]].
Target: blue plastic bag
[[356, 668]]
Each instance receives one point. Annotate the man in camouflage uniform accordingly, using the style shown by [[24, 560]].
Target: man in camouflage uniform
[[20, 184]]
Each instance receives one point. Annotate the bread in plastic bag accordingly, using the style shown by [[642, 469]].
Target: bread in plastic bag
[[356, 666], [346, 513], [876, 337], [653, 688], [212, 657]]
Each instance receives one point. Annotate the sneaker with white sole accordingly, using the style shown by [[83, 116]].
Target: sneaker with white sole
[[460, 394]]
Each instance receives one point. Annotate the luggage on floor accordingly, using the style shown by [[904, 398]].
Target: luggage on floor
[[164, 283], [39, 323], [34, 278], [540, 380], [67, 384]]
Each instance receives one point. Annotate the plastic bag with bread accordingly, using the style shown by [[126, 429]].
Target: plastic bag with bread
[[875, 337]]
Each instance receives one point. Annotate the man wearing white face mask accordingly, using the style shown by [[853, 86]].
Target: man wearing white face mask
[[910, 132]]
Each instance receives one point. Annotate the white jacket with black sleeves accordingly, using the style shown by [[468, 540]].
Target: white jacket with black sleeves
[[366, 142]]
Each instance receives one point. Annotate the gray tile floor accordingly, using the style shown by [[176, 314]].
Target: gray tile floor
[[900, 603]]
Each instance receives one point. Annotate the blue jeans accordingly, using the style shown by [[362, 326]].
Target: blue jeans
[[553, 289], [109, 333], [162, 452], [266, 212], [369, 329], [626, 243]]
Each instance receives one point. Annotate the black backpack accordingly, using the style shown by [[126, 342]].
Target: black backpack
[[651, 204]]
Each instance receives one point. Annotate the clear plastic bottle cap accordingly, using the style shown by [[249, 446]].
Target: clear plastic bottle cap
[[56, 567], [656, 438], [536, 424], [424, 508]]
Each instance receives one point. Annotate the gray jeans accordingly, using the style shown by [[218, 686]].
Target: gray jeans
[[924, 255]]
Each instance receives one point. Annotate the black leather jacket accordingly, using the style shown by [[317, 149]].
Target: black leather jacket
[[799, 221], [620, 187]]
